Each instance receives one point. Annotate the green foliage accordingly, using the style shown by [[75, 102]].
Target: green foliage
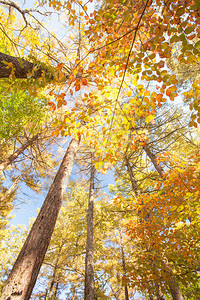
[[19, 111], [11, 241]]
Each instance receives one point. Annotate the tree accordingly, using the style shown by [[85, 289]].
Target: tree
[[89, 292], [18, 67], [11, 238], [26, 268], [124, 61], [164, 240]]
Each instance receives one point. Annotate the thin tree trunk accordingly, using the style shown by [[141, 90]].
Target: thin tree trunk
[[135, 187], [154, 161], [173, 285], [52, 291], [53, 281], [11, 189], [132, 179], [137, 192], [89, 293], [124, 268], [56, 290], [8, 161], [23, 276]]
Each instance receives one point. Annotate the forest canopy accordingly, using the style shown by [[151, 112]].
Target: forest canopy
[[100, 114]]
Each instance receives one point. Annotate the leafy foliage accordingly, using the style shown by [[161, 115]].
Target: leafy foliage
[[110, 79]]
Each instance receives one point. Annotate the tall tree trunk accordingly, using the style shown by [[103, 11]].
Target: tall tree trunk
[[8, 161], [23, 276], [89, 293], [154, 161], [124, 268]]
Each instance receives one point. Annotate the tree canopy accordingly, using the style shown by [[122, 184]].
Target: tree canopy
[[121, 80]]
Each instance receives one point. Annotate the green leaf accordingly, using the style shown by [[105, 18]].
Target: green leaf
[[180, 11], [197, 45]]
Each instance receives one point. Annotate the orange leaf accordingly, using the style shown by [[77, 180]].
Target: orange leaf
[[159, 97], [60, 103], [59, 66], [80, 70], [77, 88], [168, 91], [84, 81]]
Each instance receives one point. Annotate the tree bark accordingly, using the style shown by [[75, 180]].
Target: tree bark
[[132, 179], [154, 161], [23, 276], [18, 67], [89, 293], [8, 161], [174, 289], [11, 190], [173, 285], [124, 268], [54, 283]]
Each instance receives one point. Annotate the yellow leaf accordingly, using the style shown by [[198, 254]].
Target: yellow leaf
[[129, 93]]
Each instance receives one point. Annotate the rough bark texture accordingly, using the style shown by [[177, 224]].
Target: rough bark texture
[[8, 161], [20, 68], [89, 293], [174, 289], [26, 268], [173, 284], [154, 161]]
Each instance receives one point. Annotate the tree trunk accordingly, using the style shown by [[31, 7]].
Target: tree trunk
[[173, 285], [8, 161], [132, 179], [11, 190], [154, 161], [54, 284], [18, 67], [174, 289], [89, 293], [56, 290], [124, 268], [26, 268], [135, 188]]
